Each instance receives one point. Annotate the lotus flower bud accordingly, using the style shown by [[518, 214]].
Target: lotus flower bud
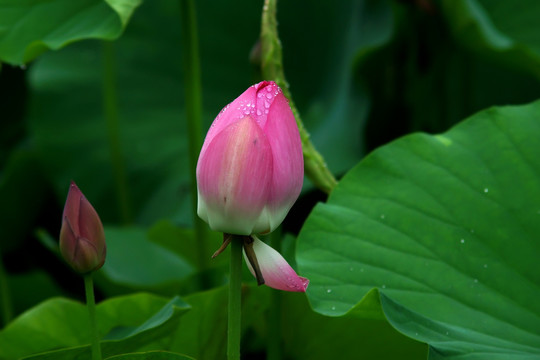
[[82, 239], [250, 169]]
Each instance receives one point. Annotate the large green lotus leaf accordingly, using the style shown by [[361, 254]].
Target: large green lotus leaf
[[128, 323], [447, 227], [30, 27], [504, 31], [151, 355]]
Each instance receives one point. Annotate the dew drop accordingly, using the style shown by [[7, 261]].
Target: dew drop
[[362, 270], [485, 266], [266, 111], [486, 190], [382, 216], [416, 334], [269, 96], [329, 291], [462, 241], [259, 112], [259, 95], [269, 88], [266, 104], [351, 269], [333, 308], [447, 333], [475, 281], [384, 286]]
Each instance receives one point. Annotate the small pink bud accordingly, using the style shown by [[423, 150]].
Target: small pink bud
[[250, 169], [82, 239]]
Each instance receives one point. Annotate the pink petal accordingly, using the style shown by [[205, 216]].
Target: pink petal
[[288, 166], [242, 106], [277, 273], [233, 178], [72, 207], [267, 91], [91, 227]]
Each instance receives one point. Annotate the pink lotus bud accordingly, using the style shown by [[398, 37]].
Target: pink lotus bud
[[82, 239], [250, 169], [277, 273]]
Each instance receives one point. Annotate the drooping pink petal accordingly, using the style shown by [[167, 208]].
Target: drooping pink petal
[[277, 273], [233, 178]]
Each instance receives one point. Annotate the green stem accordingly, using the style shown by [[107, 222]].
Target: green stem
[[5, 295], [274, 350], [272, 69], [193, 103], [235, 299], [91, 304], [110, 108]]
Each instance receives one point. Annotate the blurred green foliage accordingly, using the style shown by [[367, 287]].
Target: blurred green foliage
[[362, 73]]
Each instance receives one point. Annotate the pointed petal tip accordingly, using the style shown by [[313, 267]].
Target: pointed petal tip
[[305, 283]]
